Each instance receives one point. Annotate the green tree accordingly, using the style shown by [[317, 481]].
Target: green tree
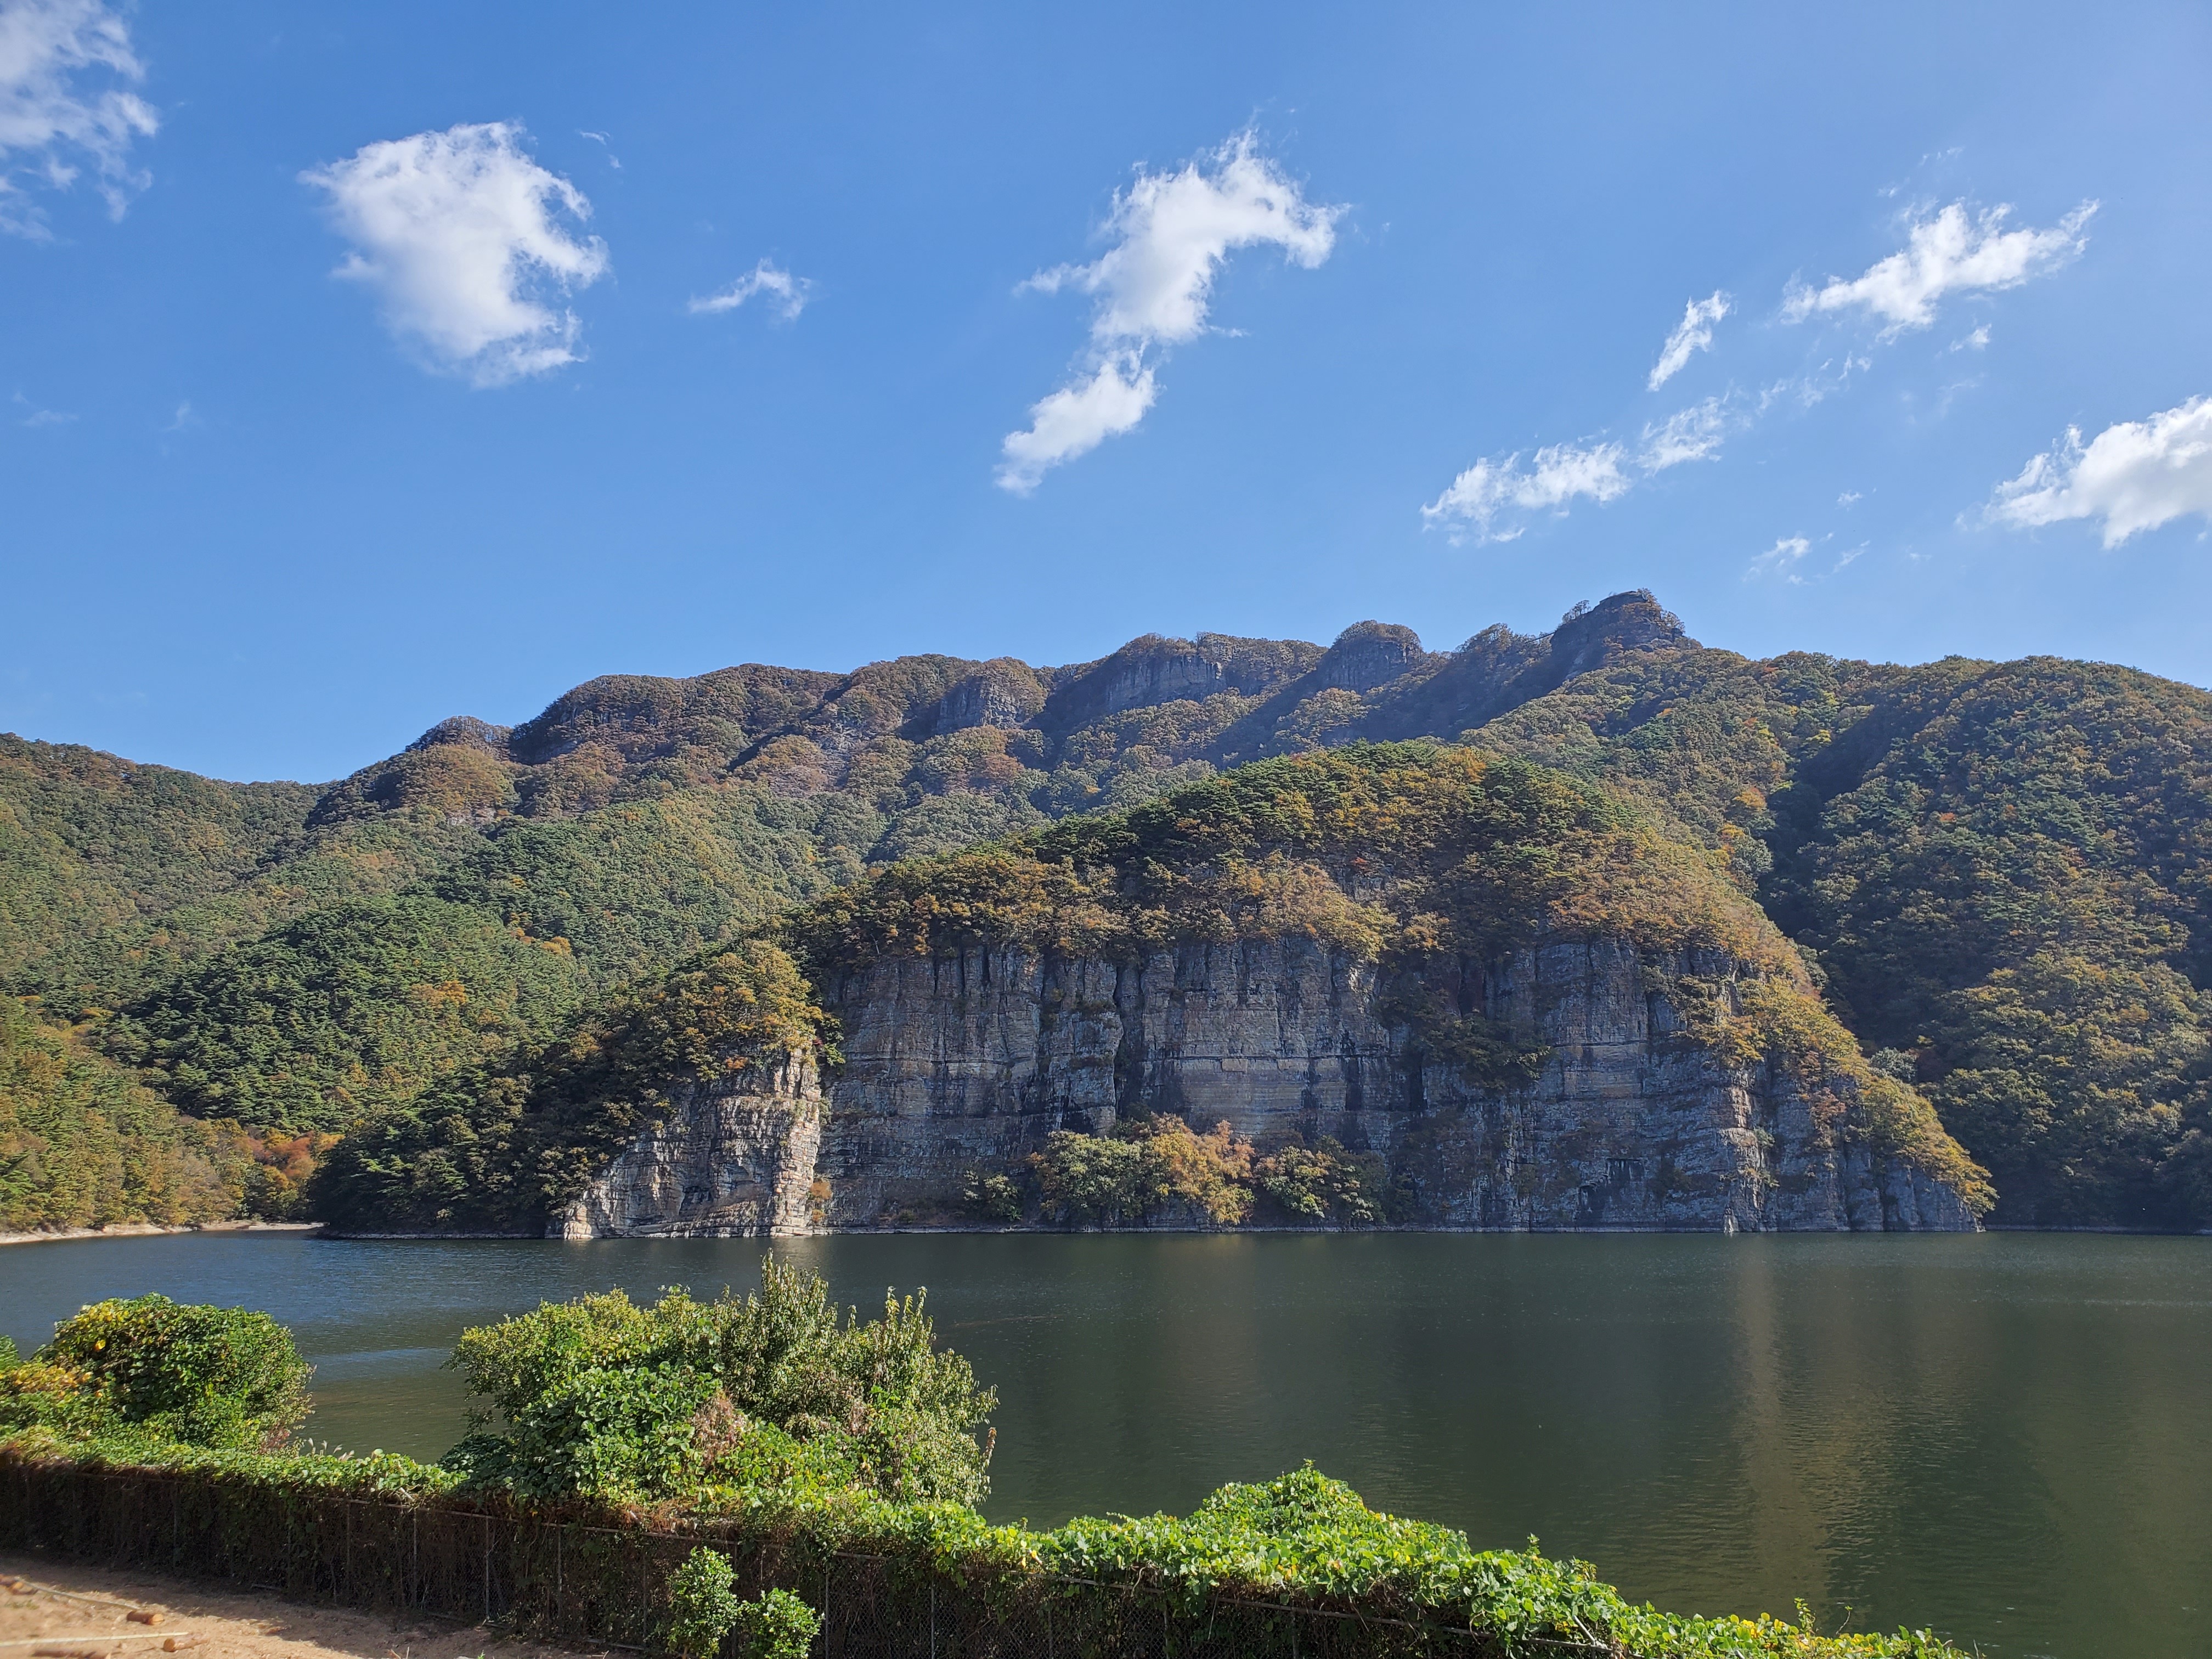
[[685, 1399], [165, 1372]]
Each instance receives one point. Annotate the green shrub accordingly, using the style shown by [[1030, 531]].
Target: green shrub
[[777, 1624], [991, 1198], [697, 1402], [703, 1605], [1156, 1168], [159, 1371]]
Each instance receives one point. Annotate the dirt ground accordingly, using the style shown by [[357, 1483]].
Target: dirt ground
[[55, 1610]]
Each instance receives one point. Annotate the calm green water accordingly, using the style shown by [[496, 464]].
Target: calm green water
[[2007, 1438]]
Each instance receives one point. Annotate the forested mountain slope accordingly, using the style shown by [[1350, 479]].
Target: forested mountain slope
[[1999, 870]]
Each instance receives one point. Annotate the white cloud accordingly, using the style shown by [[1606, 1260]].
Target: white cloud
[[1978, 341], [1560, 472], [1693, 333], [1949, 253], [1689, 434], [458, 234], [2135, 476], [1171, 232], [1077, 419], [787, 293], [1779, 560], [52, 122], [1848, 498]]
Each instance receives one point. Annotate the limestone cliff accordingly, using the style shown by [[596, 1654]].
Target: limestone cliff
[[730, 1159], [1470, 993], [967, 1063], [963, 1065]]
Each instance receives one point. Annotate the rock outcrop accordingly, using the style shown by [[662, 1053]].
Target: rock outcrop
[[963, 1065], [733, 1159]]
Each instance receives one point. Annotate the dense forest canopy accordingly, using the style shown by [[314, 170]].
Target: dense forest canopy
[[1997, 872]]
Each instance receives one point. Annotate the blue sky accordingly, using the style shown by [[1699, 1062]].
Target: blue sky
[[363, 365]]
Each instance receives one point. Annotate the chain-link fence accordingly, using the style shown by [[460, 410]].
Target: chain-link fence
[[542, 1574]]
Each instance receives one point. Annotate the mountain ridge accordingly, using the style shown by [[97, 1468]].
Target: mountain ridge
[[2001, 872]]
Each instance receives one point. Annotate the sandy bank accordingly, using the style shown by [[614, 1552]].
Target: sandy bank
[[149, 1229]]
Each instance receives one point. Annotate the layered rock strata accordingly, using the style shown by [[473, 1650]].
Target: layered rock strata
[[958, 1065], [731, 1159]]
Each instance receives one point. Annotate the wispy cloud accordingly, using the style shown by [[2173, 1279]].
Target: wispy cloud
[[36, 416], [2134, 476], [460, 234], [1694, 434], [786, 294], [1693, 333], [1780, 560], [1949, 251], [1170, 233], [1482, 503], [1556, 477], [1952, 252], [604, 144], [65, 70]]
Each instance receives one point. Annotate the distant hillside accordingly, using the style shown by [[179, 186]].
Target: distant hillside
[[1999, 870]]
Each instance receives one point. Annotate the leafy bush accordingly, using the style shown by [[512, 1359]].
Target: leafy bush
[[694, 1401], [703, 1605], [777, 1624], [1323, 1183], [158, 1370], [991, 1198], [1156, 1169]]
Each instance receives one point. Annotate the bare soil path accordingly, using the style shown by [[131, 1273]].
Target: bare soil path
[[53, 1609]]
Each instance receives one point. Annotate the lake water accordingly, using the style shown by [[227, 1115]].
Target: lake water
[[2007, 1438]]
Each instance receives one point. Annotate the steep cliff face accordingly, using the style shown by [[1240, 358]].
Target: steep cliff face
[[734, 1158], [967, 1063], [962, 1065], [1404, 982]]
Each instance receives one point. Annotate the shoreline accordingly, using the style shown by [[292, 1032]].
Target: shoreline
[[157, 1229], [154, 1230]]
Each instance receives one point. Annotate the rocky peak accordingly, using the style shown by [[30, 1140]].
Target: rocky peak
[[1155, 669], [1003, 693], [1368, 654], [1590, 636]]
